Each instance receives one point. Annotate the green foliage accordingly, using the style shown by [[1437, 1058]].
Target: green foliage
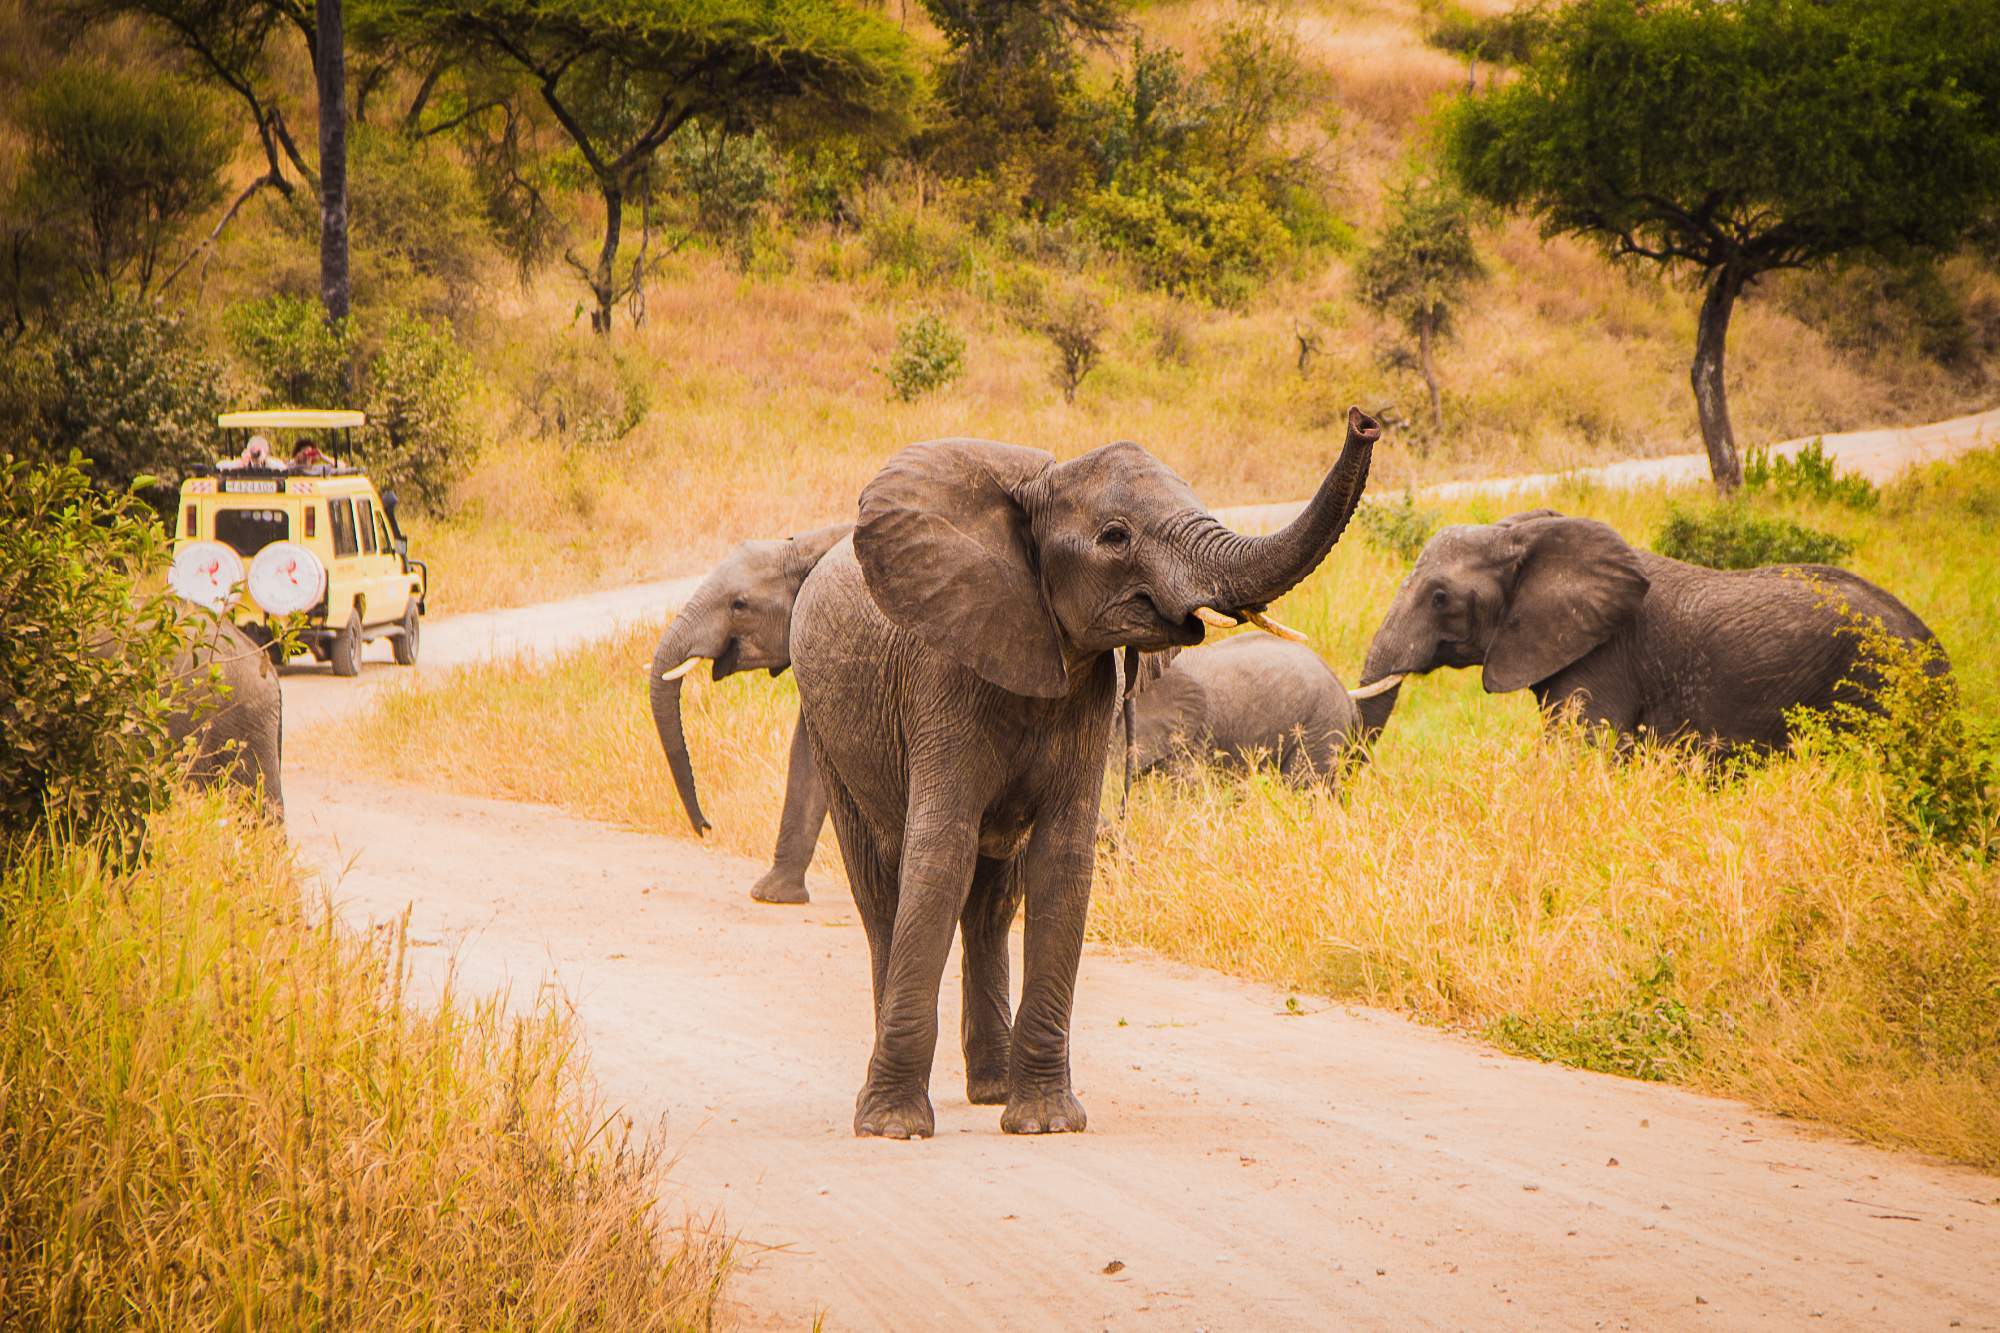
[[1648, 1034], [1189, 233], [1755, 133], [823, 179], [1508, 38], [1419, 267], [417, 227], [1940, 766], [582, 395], [1808, 475], [1400, 529], [1731, 536], [117, 163], [124, 384], [302, 359], [729, 178], [1903, 303], [929, 355], [420, 435], [87, 663], [1074, 323]]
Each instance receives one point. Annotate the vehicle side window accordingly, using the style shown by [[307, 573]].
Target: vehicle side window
[[249, 531], [367, 520], [388, 542], [340, 522]]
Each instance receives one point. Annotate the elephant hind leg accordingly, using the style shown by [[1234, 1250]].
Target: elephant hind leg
[[873, 880], [986, 1029]]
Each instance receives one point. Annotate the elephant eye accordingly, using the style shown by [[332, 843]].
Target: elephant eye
[[739, 603], [1115, 535], [1439, 597]]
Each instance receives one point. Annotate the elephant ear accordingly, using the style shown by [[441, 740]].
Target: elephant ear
[[946, 548], [809, 547], [1576, 583]]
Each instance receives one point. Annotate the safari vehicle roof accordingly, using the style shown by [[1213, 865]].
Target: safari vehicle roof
[[292, 418]]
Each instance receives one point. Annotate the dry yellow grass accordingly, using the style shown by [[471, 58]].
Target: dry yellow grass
[[1760, 934], [217, 1112]]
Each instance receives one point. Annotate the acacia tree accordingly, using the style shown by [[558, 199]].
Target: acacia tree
[[622, 76], [1732, 138], [1418, 269]]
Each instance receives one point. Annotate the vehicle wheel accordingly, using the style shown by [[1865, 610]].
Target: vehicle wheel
[[405, 643], [345, 650]]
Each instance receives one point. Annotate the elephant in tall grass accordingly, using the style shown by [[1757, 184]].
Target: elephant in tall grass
[[1647, 645], [232, 707], [1250, 697], [740, 619], [955, 669]]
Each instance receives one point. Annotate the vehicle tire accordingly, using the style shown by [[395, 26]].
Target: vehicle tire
[[345, 650], [406, 642]]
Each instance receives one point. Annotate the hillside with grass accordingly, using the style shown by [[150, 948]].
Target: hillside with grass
[[1183, 251]]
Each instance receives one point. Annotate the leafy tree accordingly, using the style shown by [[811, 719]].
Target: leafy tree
[[301, 356], [116, 166], [1736, 137], [621, 77], [1419, 267]]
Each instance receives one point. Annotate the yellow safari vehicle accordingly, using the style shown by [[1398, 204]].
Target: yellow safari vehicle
[[264, 537]]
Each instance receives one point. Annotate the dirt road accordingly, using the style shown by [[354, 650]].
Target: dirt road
[[1247, 1167]]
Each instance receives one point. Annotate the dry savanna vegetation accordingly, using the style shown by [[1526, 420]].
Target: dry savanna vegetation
[[218, 1108], [1772, 931]]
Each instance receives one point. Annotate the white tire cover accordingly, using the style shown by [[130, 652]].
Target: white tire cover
[[207, 574], [286, 578]]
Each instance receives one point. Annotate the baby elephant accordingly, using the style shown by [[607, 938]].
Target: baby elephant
[[1248, 696]]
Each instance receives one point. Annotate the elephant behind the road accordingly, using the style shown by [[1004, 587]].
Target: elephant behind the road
[[232, 705]]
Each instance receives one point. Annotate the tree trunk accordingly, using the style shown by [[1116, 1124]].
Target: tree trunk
[[1430, 373], [1711, 402], [604, 281], [330, 68]]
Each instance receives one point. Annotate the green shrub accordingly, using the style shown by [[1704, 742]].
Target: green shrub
[[1074, 323], [1189, 233], [300, 358], [1730, 536], [928, 355], [420, 435], [417, 230], [1400, 529], [728, 178], [86, 662], [122, 383], [1940, 768], [1647, 1034], [1809, 475], [581, 392], [1507, 39]]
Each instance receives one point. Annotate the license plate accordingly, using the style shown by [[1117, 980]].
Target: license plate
[[251, 487]]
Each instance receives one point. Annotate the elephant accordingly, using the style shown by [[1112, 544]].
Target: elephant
[[1246, 697], [954, 659], [1647, 645], [232, 705], [739, 618]]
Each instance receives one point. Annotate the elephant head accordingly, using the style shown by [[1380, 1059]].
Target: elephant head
[[1521, 599], [1026, 569], [739, 619]]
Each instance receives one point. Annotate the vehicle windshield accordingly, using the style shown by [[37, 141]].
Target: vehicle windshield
[[249, 531]]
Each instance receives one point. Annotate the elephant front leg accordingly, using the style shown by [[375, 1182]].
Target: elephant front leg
[[986, 1028], [1056, 871], [798, 827], [939, 851]]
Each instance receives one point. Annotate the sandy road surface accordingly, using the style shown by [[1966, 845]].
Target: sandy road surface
[[1246, 1168], [1249, 1169]]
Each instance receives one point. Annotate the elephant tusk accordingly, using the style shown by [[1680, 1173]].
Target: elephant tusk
[[1373, 688], [1274, 626], [1208, 615], [681, 670]]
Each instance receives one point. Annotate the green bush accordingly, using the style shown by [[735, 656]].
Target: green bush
[[1810, 475], [728, 178], [1507, 39], [1400, 529], [1189, 233], [581, 392], [1730, 536], [417, 229], [124, 384], [1648, 1034], [301, 359], [929, 355], [87, 664], [1940, 767], [420, 435]]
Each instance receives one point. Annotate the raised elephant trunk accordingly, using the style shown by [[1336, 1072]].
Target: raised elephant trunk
[[1259, 570], [680, 647]]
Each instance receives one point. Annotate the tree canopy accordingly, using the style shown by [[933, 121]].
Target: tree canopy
[[1736, 137]]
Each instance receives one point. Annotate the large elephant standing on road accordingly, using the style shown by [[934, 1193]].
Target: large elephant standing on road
[[955, 673], [740, 619], [1640, 642], [232, 705]]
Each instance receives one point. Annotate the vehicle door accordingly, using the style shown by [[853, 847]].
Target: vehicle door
[[387, 591]]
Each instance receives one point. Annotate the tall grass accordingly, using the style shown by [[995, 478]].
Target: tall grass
[[1764, 933], [218, 1112]]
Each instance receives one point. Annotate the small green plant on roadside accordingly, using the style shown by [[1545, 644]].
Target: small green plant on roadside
[[929, 355], [1809, 475], [1939, 765], [1730, 536], [1647, 1034], [1398, 527]]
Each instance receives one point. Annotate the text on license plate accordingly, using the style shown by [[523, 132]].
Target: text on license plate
[[250, 487]]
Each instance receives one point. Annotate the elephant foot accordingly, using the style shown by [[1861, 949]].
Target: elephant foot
[[781, 886], [986, 1079], [1044, 1111], [906, 1115]]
